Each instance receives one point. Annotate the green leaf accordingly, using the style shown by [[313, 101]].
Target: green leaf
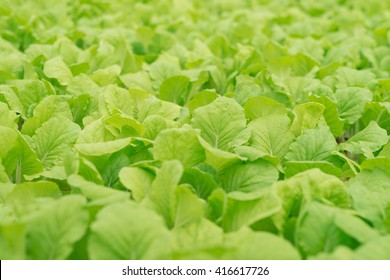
[[202, 99], [244, 209], [137, 180], [8, 118], [189, 208], [303, 188], [181, 144], [347, 77], [370, 193], [96, 140], [51, 106], [116, 100], [52, 231], [355, 227], [307, 116], [17, 156], [248, 176], [317, 231], [331, 114], [203, 183], [154, 125], [245, 89], [163, 194], [271, 135], [175, 89], [313, 145], [125, 231], [262, 106], [219, 121], [217, 158], [351, 102], [56, 68], [54, 139], [366, 141], [8, 96], [97, 195]]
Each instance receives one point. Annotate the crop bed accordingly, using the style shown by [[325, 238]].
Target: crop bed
[[194, 129]]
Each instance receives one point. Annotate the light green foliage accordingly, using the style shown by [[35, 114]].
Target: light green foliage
[[194, 129]]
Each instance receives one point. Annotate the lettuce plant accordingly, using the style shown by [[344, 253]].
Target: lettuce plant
[[194, 129]]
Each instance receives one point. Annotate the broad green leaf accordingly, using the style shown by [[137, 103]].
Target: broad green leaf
[[219, 121], [381, 163], [126, 125], [138, 80], [313, 145], [356, 227], [163, 193], [370, 193], [8, 96], [351, 102], [271, 135], [248, 176], [97, 195], [56, 68], [88, 171], [303, 188], [292, 65], [17, 156], [96, 140], [217, 158], [125, 231], [203, 183], [181, 144], [154, 125], [111, 167], [8, 118], [106, 76], [317, 232], [116, 100], [189, 208], [246, 88], [378, 112], [137, 180], [202, 99], [54, 229], [367, 140], [175, 89], [152, 106], [307, 116], [347, 77], [331, 114], [262, 106], [53, 139], [50, 107], [244, 209]]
